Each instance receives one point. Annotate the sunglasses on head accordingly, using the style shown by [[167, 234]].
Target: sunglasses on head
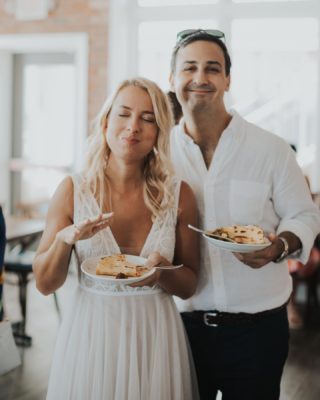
[[190, 32]]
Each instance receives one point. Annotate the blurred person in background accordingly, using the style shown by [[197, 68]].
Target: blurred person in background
[[301, 271]]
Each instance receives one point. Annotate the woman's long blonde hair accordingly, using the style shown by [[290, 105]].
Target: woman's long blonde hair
[[157, 169]]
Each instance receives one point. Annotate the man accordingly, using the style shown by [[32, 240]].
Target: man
[[236, 322]]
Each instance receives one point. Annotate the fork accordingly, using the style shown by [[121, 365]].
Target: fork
[[213, 235], [169, 267], [166, 267]]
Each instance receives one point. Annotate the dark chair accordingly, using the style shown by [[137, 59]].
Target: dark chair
[[311, 283], [19, 262], [309, 275]]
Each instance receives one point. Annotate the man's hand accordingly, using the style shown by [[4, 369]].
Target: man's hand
[[84, 229], [260, 258]]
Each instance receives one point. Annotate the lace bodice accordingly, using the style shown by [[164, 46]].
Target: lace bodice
[[161, 237]]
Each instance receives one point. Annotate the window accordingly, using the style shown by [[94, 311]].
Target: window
[[274, 78], [59, 62], [44, 132]]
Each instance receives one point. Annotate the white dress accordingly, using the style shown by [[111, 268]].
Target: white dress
[[119, 342]]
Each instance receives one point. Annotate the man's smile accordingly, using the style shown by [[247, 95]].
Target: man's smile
[[200, 91]]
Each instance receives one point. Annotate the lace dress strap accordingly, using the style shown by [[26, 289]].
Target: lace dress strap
[[177, 188], [162, 238], [76, 197]]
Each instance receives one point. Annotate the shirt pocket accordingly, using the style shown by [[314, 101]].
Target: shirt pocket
[[247, 201]]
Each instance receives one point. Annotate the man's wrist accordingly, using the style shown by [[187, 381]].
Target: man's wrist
[[291, 244], [285, 251]]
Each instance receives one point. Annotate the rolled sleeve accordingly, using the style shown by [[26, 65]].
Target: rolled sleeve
[[303, 232], [293, 203]]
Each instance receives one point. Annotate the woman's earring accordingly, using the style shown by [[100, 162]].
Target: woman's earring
[[155, 151]]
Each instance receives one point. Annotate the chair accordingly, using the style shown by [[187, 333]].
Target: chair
[[308, 275], [311, 310], [19, 262]]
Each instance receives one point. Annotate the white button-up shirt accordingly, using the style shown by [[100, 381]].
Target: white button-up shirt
[[253, 179]]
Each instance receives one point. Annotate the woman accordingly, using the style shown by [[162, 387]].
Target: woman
[[128, 342]]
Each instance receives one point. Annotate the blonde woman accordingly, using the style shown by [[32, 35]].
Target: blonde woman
[[123, 342]]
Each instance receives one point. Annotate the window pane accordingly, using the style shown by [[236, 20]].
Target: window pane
[[39, 184], [274, 78], [157, 3], [48, 114], [47, 127], [156, 42]]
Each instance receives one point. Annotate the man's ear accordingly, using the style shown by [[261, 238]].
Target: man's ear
[[228, 83], [171, 81]]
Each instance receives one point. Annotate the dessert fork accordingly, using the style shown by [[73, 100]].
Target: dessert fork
[[166, 267], [210, 234]]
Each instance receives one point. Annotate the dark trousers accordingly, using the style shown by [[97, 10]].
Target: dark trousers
[[243, 362]]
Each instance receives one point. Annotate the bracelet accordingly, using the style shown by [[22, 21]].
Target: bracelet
[[285, 252]]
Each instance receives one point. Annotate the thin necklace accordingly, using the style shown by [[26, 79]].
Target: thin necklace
[[109, 197]]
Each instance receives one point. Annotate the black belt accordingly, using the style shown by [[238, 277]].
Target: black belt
[[217, 318]]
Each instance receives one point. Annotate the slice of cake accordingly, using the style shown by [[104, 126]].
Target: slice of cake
[[244, 234], [118, 266]]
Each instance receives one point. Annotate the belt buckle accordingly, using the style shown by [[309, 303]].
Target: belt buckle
[[207, 315]]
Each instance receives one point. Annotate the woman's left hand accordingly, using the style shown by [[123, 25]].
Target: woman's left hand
[[154, 259]]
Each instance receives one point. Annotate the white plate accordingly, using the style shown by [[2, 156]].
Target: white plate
[[88, 267], [236, 247]]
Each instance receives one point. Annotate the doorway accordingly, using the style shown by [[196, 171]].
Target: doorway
[[43, 108]]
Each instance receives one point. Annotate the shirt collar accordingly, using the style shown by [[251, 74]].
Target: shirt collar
[[232, 130]]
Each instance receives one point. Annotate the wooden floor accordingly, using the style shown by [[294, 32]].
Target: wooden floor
[[301, 380]]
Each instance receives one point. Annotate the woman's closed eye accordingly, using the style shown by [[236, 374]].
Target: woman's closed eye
[[148, 117]]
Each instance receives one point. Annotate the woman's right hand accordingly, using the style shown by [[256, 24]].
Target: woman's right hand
[[84, 229]]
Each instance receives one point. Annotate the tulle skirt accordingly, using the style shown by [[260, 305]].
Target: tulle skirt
[[130, 347]]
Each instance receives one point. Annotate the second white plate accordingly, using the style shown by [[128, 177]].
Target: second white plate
[[236, 247]]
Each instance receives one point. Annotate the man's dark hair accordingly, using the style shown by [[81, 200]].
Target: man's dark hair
[[175, 106], [201, 35]]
